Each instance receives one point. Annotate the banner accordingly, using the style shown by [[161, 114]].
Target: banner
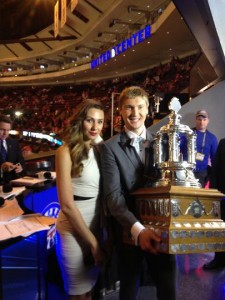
[[56, 19], [63, 12]]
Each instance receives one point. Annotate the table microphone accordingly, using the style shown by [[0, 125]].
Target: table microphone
[[47, 175], [44, 174], [2, 201], [7, 188]]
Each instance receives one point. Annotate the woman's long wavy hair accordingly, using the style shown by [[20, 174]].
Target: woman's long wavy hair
[[73, 135]]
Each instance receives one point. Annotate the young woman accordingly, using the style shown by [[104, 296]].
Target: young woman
[[78, 180]]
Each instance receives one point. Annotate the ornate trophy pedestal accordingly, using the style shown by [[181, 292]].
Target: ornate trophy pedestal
[[188, 218]]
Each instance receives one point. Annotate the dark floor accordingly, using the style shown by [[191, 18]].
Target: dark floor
[[193, 282]]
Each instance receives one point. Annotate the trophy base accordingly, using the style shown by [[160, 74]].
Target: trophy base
[[176, 182], [187, 218], [178, 177]]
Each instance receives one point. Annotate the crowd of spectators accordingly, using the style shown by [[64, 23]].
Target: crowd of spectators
[[47, 109]]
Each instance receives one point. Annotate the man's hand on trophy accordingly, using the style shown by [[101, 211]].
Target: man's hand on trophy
[[148, 240]]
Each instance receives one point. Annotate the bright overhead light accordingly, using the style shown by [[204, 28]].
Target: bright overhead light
[[217, 11], [18, 113]]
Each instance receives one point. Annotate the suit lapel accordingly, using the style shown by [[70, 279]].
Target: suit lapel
[[8, 149], [149, 151]]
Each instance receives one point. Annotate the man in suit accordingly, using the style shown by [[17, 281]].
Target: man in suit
[[126, 164], [217, 182], [11, 158]]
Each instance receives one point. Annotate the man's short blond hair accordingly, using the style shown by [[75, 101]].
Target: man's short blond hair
[[133, 92]]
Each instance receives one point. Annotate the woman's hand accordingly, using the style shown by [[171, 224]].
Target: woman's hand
[[98, 255], [7, 167]]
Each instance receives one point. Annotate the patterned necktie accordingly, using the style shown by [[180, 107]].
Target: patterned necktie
[[137, 143], [3, 152]]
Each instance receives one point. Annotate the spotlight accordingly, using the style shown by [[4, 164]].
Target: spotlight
[[111, 24], [136, 9]]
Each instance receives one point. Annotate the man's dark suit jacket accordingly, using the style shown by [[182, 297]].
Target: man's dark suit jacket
[[14, 155], [123, 172]]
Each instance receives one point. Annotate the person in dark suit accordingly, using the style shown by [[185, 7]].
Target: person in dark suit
[[11, 159], [217, 182], [126, 162]]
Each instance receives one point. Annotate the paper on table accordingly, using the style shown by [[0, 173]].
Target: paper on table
[[44, 220], [5, 233], [10, 210], [25, 225], [15, 192], [28, 180], [18, 190]]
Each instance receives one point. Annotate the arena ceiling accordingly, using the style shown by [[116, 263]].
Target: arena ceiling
[[30, 54]]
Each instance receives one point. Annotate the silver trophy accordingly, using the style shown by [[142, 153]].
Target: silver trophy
[[187, 216], [175, 150]]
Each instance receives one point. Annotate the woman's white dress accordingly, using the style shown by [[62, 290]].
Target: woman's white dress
[[79, 278]]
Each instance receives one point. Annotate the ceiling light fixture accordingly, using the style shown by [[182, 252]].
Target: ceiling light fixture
[[108, 32], [149, 15], [117, 21], [138, 10]]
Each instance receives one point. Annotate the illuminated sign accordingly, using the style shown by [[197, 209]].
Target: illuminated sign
[[51, 210], [39, 135], [123, 46]]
